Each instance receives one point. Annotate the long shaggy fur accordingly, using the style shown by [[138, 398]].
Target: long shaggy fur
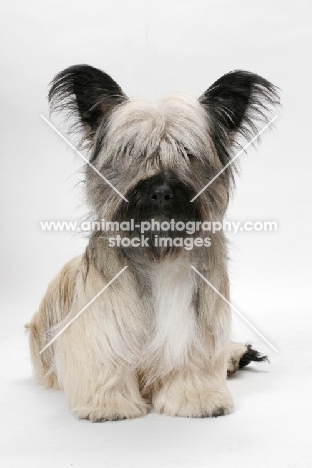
[[158, 335]]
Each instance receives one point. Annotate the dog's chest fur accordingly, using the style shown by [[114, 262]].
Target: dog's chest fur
[[174, 318]]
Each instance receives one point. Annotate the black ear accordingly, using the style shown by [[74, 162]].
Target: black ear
[[236, 103], [86, 93]]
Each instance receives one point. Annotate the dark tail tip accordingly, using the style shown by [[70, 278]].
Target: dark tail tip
[[251, 355]]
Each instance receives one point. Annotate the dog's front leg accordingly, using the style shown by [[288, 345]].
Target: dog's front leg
[[96, 357], [96, 388], [196, 384], [193, 392]]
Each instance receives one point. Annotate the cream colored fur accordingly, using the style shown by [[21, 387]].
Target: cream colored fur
[[122, 354], [158, 334]]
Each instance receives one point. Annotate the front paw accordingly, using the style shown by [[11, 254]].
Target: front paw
[[111, 411], [210, 403]]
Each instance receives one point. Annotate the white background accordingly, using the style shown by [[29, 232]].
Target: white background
[[151, 48]]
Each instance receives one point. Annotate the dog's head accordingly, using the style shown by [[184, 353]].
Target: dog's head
[[159, 157]]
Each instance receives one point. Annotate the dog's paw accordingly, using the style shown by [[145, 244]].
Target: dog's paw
[[111, 412], [241, 355], [211, 403]]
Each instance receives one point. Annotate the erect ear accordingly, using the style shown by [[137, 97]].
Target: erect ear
[[236, 103], [86, 93]]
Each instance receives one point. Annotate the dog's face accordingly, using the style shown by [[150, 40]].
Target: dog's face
[[160, 156]]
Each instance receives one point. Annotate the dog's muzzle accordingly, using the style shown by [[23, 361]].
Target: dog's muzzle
[[161, 196]]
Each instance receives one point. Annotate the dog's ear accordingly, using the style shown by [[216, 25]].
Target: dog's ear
[[87, 94], [235, 104]]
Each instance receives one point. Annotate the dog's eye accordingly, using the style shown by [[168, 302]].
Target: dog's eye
[[188, 153]]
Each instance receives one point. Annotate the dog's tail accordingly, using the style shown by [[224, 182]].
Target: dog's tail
[[241, 355], [251, 355]]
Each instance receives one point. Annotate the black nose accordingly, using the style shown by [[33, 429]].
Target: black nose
[[161, 194]]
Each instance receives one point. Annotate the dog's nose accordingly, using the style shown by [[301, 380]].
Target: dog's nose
[[161, 194]]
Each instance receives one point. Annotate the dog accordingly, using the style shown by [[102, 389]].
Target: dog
[[158, 335]]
